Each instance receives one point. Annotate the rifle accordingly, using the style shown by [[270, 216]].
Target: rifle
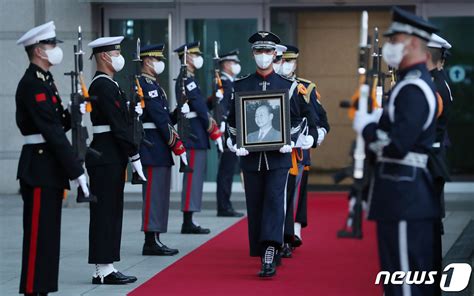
[[136, 96], [79, 95], [184, 124], [359, 169], [216, 108]]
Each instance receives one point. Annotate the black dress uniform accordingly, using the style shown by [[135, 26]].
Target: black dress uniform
[[401, 198], [266, 173], [228, 160], [46, 163]]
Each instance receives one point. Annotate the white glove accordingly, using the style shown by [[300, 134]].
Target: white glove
[[361, 120], [82, 182], [241, 151], [185, 108], [222, 128], [139, 109], [137, 166], [219, 144], [219, 95], [184, 159], [308, 142], [321, 135], [82, 107], [232, 147], [285, 149]]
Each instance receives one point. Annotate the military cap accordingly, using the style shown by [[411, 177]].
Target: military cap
[[152, 50], [264, 39], [437, 41], [292, 52], [409, 23], [193, 47], [45, 33], [104, 44], [280, 49], [230, 56]]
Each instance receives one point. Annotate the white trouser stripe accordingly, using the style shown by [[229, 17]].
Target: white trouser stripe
[[403, 251]]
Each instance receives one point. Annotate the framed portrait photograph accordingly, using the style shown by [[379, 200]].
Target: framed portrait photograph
[[263, 120]]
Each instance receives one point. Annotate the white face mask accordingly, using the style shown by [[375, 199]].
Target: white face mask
[[276, 68], [235, 68], [54, 55], [117, 62], [287, 68], [263, 60], [198, 62], [392, 53], [158, 67]]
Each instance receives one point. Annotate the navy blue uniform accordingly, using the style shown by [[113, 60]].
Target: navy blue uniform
[[266, 173], [402, 199], [228, 160]]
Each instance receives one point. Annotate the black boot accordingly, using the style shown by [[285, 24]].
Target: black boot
[[154, 247], [268, 263], [286, 251], [189, 227]]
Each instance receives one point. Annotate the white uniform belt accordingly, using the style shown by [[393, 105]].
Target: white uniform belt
[[99, 129], [413, 159], [149, 125], [437, 145], [191, 114], [34, 139]]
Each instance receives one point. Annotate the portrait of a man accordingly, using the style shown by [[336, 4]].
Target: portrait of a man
[[264, 121]]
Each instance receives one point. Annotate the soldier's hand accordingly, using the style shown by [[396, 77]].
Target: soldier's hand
[[361, 120], [137, 166], [241, 152], [184, 159], [321, 135], [139, 109], [285, 149], [219, 144], [219, 95], [185, 108], [82, 182], [308, 142], [222, 127]]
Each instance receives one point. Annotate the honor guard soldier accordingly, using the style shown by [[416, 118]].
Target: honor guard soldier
[[157, 159], [265, 173], [230, 68], [436, 49], [113, 138], [278, 61], [47, 161], [202, 127], [299, 217], [402, 199]]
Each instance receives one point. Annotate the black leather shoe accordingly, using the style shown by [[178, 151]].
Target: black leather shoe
[[229, 213], [297, 242], [268, 268], [131, 278], [193, 229], [286, 251], [278, 258], [113, 278], [156, 250]]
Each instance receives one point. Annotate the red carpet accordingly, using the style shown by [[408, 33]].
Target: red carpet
[[324, 265]]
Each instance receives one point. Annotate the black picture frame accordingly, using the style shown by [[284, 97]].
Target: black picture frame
[[277, 108]]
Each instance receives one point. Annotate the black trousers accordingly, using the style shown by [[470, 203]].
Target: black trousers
[[41, 238], [265, 194], [105, 228], [289, 231], [302, 207], [225, 176], [407, 246]]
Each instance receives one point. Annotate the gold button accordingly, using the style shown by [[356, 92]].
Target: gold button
[[40, 151]]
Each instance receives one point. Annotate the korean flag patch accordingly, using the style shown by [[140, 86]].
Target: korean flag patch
[[153, 93], [191, 86]]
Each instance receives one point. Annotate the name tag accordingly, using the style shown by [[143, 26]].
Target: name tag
[[153, 93], [191, 86]]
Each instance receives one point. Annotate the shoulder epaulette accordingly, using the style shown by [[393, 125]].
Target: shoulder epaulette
[[242, 77], [303, 80], [287, 78]]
